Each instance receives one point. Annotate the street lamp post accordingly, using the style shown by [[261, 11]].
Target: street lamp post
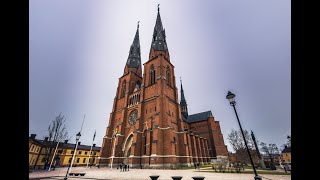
[[74, 152], [230, 97]]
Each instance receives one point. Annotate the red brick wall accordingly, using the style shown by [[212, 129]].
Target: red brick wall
[[159, 107]]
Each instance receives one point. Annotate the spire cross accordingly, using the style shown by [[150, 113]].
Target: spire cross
[[158, 7], [138, 24]]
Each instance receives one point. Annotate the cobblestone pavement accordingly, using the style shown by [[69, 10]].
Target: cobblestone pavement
[[143, 174]]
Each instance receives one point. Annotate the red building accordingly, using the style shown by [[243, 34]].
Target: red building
[[148, 127]]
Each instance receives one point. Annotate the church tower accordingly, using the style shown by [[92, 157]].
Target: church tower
[[126, 109], [148, 127]]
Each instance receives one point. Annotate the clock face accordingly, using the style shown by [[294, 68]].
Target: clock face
[[133, 117]]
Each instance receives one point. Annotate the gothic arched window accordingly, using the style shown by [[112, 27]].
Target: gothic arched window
[[168, 76], [123, 89], [152, 75]]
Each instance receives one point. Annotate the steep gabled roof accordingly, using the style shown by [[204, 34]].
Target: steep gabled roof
[[36, 141], [68, 145], [199, 117], [286, 150]]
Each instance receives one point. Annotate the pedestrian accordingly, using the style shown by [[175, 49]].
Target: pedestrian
[[128, 167], [54, 164], [195, 166], [286, 167], [120, 167]]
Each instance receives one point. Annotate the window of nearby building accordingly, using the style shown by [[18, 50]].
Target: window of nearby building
[[78, 160], [69, 160], [95, 153], [37, 149], [85, 152], [91, 152], [60, 151], [93, 160], [84, 160], [31, 149], [72, 152], [79, 152], [32, 161]]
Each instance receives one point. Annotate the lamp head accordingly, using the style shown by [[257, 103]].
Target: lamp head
[[78, 136], [230, 96]]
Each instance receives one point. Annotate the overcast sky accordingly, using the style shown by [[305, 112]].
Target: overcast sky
[[78, 50]]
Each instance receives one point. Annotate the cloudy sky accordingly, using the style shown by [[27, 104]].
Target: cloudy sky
[[78, 50]]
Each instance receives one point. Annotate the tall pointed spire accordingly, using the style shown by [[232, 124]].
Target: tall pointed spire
[[134, 59], [159, 36], [183, 103]]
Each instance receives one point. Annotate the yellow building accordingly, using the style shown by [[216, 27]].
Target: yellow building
[[65, 150], [286, 154], [35, 147]]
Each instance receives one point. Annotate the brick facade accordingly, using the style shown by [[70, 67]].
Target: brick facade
[[157, 138]]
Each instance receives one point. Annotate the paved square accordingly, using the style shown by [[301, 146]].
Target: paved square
[[143, 174]]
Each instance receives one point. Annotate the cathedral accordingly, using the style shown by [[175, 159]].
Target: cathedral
[[148, 127]]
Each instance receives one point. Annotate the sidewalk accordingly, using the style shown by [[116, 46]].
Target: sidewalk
[[143, 174]]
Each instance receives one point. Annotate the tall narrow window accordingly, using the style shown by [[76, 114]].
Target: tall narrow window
[[123, 89], [152, 75], [168, 77]]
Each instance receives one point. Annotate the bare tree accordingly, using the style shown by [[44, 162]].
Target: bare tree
[[57, 132], [272, 151], [237, 143]]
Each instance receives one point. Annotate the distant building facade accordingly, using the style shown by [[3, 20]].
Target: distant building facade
[[63, 157], [286, 154], [148, 127]]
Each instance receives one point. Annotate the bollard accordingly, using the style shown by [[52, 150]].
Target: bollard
[[198, 178], [154, 177], [176, 177]]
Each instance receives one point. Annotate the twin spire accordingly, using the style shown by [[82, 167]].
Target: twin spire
[[134, 58], [159, 35], [158, 43]]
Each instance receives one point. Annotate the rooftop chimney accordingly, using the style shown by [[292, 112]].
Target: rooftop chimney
[[66, 141], [94, 145], [33, 136], [46, 138]]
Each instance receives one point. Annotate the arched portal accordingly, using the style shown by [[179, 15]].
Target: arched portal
[[127, 148]]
